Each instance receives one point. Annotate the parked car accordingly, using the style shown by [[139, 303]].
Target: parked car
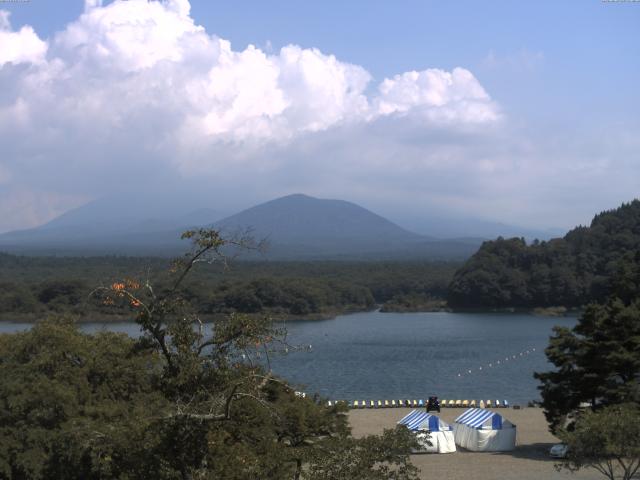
[[433, 404], [559, 450]]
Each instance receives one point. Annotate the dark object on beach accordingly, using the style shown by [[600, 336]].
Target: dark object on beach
[[516, 407], [433, 404]]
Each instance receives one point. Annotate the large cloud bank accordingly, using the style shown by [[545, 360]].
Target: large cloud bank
[[133, 88], [135, 57]]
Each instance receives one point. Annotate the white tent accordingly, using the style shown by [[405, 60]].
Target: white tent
[[430, 428], [482, 430]]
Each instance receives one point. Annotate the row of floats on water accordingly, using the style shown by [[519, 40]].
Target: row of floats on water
[[422, 403]]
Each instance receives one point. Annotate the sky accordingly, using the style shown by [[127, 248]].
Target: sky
[[519, 112]]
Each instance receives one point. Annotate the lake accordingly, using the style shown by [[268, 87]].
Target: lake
[[373, 355]]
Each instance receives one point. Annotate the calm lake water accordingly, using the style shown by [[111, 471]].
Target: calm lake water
[[373, 355]]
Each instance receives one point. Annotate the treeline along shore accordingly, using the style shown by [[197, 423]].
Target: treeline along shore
[[32, 287]]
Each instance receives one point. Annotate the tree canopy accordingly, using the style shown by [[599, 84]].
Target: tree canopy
[[607, 440], [592, 398], [184, 401], [597, 361], [33, 287]]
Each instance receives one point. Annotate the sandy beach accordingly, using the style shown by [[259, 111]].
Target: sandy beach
[[529, 461]]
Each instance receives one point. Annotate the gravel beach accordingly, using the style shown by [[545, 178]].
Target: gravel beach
[[529, 461]]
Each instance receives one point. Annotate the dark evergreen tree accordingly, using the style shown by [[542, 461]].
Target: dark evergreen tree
[[598, 361]]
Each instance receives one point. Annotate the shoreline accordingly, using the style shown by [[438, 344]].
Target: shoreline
[[561, 312]]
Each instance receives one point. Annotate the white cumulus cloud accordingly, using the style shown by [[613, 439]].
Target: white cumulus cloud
[[137, 86], [157, 51], [455, 96], [22, 46]]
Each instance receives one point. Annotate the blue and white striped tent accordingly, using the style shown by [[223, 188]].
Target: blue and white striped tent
[[480, 418], [438, 439], [421, 420], [483, 430]]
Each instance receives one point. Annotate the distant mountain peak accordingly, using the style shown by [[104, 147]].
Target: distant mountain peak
[[303, 199], [304, 219], [296, 196]]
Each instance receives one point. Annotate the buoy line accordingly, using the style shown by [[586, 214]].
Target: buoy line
[[496, 363]]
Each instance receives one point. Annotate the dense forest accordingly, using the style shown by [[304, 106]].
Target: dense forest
[[571, 271], [35, 286]]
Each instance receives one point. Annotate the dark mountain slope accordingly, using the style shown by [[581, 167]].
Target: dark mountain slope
[[300, 221]]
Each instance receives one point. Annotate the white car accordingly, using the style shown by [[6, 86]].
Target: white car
[[559, 450]]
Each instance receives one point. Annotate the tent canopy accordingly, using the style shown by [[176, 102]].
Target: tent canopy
[[482, 430], [438, 439], [420, 420], [481, 418]]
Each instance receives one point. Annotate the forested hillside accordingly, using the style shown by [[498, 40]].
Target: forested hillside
[[569, 271]]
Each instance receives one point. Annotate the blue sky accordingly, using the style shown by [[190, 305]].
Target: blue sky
[[561, 76]]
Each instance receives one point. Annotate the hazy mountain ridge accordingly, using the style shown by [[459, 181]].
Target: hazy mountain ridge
[[139, 224], [460, 226], [296, 226]]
